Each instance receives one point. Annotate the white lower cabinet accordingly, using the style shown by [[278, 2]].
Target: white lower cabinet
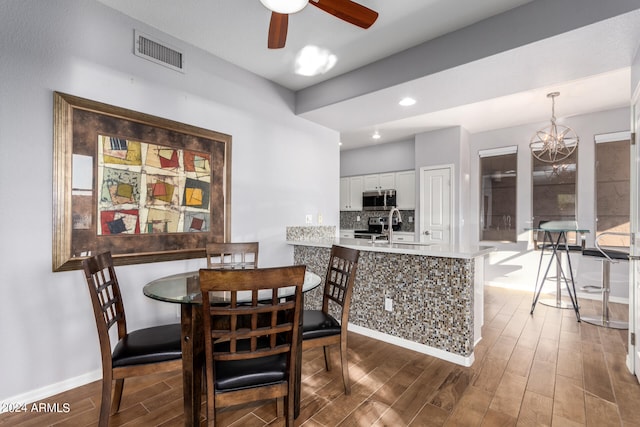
[[404, 236], [347, 234]]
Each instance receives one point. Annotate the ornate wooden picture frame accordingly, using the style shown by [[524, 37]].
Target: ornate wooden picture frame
[[145, 188]]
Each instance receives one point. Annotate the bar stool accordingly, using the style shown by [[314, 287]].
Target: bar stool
[[609, 256], [559, 277]]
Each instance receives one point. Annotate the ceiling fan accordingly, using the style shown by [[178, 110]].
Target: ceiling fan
[[346, 10]]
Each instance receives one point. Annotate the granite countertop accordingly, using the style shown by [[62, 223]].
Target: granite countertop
[[411, 248]]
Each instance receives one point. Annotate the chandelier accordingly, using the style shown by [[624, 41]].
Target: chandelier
[[285, 6], [555, 142]]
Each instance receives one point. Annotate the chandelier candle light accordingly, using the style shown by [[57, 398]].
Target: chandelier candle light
[[556, 142]]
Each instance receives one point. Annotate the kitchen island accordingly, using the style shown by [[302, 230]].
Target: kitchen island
[[428, 298]]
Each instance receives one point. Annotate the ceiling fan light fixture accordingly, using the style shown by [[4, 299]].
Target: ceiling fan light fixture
[[284, 6], [312, 61]]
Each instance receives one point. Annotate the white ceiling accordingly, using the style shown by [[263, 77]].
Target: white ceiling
[[589, 65]]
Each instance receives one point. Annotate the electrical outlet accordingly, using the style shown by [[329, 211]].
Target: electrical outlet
[[309, 219], [388, 304]]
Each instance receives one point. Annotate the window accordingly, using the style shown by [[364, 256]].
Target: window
[[498, 176], [554, 190], [613, 187]]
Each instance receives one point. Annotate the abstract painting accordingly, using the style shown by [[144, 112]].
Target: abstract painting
[[147, 189]]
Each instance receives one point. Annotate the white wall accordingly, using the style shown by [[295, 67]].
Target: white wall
[[283, 167], [447, 147], [379, 158], [516, 264]]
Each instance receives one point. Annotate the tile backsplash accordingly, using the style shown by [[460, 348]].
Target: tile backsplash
[[318, 232], [349, 220]]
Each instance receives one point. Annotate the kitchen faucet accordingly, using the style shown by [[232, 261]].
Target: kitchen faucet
[[390, 223]]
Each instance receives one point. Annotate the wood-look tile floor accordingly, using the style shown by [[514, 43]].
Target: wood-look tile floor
[[545, 369]]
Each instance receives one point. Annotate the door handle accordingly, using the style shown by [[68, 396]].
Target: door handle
[[426, 233]]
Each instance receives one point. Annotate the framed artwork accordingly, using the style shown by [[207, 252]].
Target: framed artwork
[[145, 188]]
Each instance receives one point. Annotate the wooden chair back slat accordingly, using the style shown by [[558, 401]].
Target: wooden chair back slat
[[339, 280], [244, 319], [232, 255], [336, 302], [105, 295]]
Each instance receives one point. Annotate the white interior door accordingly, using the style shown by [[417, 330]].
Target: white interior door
[[435, 204], [633, 359]]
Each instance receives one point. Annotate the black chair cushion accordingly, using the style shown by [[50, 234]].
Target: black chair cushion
[[317, 324], [239, 374], [149, 345], [613, 254]]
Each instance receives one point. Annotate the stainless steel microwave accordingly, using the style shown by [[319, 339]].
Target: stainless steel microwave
[[379, 200]]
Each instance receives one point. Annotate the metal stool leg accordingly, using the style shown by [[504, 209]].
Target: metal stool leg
[[604, 320]]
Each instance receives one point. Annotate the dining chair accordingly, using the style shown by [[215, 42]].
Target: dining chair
[[232, 255], [140, 352], [319, 327], [251, 348]]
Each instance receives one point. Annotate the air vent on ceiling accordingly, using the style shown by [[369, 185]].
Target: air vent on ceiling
[[157, 51]]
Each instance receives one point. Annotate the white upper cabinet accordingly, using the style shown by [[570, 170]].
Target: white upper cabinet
[[387, 181], [351, 193], [404, 183], [371, 182], [345, 194], [405, 190], [382, 181]]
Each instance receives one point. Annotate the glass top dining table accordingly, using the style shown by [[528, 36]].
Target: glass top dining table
[[184, 289]]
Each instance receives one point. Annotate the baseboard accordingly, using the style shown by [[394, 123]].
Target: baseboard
[[598, 297], [411, 345], [585, 295], [52, 390]]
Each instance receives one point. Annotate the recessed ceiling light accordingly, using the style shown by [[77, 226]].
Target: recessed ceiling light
[[406, 102], [312, 60], [376, 135]]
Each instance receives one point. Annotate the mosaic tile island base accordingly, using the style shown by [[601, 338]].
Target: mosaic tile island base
[[436, 294]]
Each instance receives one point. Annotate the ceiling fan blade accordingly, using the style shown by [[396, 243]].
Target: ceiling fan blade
[[278, 30], [349, 11]]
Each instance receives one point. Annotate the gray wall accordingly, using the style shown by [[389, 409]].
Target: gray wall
[[445, 147], [85, 49], [397, 156]]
